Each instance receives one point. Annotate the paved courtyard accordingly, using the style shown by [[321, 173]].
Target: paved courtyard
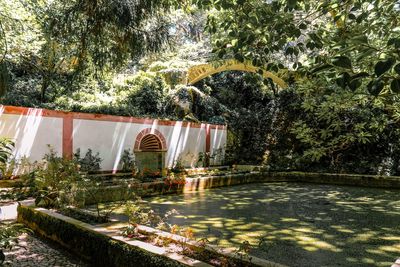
[[33, 252], [296, 224]]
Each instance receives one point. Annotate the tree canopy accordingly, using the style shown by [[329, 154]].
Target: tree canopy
[[340, 58], [349, 42]]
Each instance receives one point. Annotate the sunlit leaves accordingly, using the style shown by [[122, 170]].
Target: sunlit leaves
[[356, 36], [110, 32]]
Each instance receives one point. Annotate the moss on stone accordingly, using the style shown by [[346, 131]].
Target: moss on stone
[[98, 249]]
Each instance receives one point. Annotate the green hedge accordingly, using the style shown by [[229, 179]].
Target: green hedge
[[98, 249]]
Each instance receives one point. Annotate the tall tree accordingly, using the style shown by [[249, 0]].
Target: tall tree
[[106, 33], [350, 41]]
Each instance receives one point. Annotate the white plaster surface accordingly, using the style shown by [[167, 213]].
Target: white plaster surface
[[217, 144], [32, 134], [110, 139]]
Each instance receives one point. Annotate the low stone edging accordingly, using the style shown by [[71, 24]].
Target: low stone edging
[[99, 249], [102, 247], [112, 193], [338, 179], [8, 183], [210, 249], [148, 189]]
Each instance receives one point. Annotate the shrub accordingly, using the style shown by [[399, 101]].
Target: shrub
[[139, 213], [9, 237], [143, 95], [178, 166], [55, 181], [127, 161], [6, 147], [92, 190], [90, 162]]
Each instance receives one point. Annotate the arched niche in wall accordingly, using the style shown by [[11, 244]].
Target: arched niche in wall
[[150, 148]]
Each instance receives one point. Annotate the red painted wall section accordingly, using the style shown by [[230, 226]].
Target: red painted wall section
[[208, 138], [67, 141]]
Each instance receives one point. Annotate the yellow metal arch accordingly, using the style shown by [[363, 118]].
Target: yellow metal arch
[[199, 72]]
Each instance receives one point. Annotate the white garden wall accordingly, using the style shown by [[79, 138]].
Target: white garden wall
[[32, 134], [34, 129]]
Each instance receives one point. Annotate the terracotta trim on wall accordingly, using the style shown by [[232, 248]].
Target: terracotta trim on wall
[[208, 138], [98, 117], [67, 140], [68, 121]]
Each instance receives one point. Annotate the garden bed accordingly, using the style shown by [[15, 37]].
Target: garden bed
[[93, 244], [105, 246], [203, 251]]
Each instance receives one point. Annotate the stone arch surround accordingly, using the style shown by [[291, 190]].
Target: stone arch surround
[[147, 131]]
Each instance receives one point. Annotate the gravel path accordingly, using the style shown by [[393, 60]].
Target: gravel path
[[33, 252]]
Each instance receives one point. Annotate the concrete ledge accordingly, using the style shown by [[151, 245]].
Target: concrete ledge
[[8, 183], [201, 183], [113, 193], [338, 179], [229, 253], [98, 248], [205, 169], [103, 245]]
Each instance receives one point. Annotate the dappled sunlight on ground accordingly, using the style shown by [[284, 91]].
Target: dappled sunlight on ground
[[296, 224]]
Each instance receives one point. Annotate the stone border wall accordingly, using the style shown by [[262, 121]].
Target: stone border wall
[[104, 247], [84, 240], [112, 193], [338, 179]]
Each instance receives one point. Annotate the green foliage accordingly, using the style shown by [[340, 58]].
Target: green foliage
[[113, 30], [56, 181], [128, 161], [201, 160], [90, 162], [6, 147], [328, 128], [139, 213], [60, 45], [144, 94], [355, 42], [4, 78], [98, 248], [9, 234], [246, 104], [178, 166], [91, 190], [341, 106]]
